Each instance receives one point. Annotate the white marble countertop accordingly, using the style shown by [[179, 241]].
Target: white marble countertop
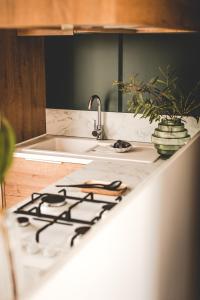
[[130, 173], [94, 168]]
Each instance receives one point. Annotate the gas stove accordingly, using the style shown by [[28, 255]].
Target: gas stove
[[50, 224]]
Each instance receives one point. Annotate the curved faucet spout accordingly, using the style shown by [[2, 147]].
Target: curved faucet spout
[[92, 99], [98, 129]]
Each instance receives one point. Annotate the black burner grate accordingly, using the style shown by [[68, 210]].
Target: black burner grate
[[38, 199]]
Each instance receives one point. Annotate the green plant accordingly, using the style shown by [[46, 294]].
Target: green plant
[[7, 144], [161, 97]]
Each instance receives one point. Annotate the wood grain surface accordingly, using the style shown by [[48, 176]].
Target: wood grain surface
[[118, 192], [26, 177], [22, 83], [156, 13]]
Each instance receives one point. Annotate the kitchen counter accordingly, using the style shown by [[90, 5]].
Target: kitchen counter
[[133, 174], [129, 251], [130, 173], [136, 252]]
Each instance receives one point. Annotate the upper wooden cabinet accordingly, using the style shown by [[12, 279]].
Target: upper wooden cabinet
[[163, 14], [22, 84]]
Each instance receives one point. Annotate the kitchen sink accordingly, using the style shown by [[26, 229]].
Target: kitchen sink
[[64, 144], [86, 148]]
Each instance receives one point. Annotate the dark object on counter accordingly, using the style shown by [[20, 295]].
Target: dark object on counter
[[114, 185], [114, 188], [121, 144]]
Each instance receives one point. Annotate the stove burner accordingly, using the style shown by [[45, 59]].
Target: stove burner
[[54, 200]]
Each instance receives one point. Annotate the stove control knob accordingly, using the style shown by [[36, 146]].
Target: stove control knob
[[23, 221]]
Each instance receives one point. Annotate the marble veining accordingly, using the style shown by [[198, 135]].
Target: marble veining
[[116, 125], [131, 174]]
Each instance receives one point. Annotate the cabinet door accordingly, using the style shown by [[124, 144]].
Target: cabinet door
[[22, 13], [144, 13], [26, 177]]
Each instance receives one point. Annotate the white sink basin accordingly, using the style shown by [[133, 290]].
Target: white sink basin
[[87, 148], [62, 144]]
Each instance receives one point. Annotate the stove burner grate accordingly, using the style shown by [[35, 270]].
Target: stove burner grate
[[33, 208], [54, 200], [79, 231]]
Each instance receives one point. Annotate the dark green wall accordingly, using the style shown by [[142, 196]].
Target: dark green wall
[[79, 66]]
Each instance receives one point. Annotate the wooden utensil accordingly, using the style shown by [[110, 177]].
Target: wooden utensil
[[117, 192]]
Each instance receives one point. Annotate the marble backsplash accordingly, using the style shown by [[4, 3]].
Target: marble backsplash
[[116, 125]]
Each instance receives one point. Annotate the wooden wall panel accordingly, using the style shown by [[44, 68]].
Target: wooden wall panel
[[22, 83]]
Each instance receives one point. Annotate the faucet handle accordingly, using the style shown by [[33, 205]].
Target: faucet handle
[[98, 133], [94, 132]]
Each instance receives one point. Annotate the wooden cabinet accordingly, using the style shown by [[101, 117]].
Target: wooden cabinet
[[21, 13], [26, 177], [22, 83], [155, 13]]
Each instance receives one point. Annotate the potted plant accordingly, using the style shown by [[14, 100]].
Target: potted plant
[[164, 100], [7, 144], [9, 255]]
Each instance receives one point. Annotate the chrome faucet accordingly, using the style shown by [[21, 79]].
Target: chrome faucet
[[98, 128]]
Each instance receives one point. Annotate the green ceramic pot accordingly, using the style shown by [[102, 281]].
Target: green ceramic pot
[[170, 136]]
